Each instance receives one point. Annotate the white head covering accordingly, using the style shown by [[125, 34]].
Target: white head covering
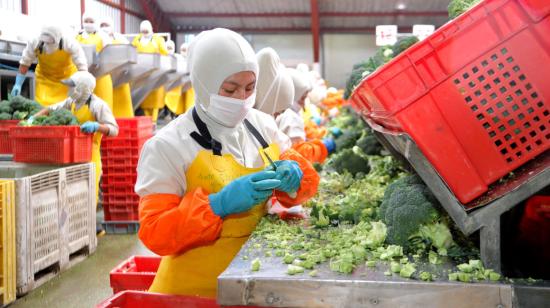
[[215, 55], [184, 49], [109, 28], [146, 25], [89, 27], [301, 83], [274, 87], [171, 46], [302, 67], [51, 31], [81, 86]]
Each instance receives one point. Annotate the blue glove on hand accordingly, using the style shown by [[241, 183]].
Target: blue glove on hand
[[329, 144], [243, 193], [317, 120], [89, 127], [19, 80], [337, 132], [290, 175]]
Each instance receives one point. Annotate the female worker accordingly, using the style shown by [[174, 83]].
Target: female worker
[[275, 94], [90, 35], [91, 112], [122, 96], [148, 42], [59, 56], [203, 179]]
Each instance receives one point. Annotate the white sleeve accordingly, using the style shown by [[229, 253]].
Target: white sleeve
[[103, 115], [28, 56], [121, 38], [292, 125], [161, 169], [77, 53], [66, 104]]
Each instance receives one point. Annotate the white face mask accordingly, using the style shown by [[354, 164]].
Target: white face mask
[[79, 95], [89, 27], [229, 111], [107, 30], [47, 39]]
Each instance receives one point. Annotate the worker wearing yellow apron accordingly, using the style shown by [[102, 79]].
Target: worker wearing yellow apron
[[122, 96], [58, 58], [203, 180], [147, 42], [91, 36], [91, 112], [172, 99]]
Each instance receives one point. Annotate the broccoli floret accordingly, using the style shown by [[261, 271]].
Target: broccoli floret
[[347, 139], [58, 117], [457, 7], [369, 145], [351, 161], [5, 107], [406, 207], [402, 44], [5, 116], [255, 266], [20, 115], [425, 276], [407, 270]]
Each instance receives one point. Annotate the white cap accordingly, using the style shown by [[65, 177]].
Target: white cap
[[274, 87]]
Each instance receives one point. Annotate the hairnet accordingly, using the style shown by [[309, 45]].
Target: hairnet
[[274, 87], [215, 55]]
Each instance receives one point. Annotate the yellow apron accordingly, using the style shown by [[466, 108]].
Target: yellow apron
[[104, 84], [173, 100], [155, 45], [83, 115], [189, 98], [153, 103], [51, 69], [122, 102], [195, 271]]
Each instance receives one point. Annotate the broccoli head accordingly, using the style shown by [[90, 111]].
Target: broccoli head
[[457, 7], [20, 115], [347, 139], [5, 107], [5, 116], [350, 160], [403, 43], [369, 145]]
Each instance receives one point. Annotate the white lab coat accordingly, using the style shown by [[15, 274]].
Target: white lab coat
[[70, 45], [291, 123]]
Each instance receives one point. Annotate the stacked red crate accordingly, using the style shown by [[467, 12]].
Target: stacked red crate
[[119, 157]]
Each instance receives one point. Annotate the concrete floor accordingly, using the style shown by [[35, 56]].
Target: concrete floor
[[87, 283]]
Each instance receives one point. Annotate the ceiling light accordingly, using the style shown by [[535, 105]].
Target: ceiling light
[[401, 6]]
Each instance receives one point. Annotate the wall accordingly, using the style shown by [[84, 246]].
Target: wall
[[11, 5], [103, 10], [292, 48], [340, 52]]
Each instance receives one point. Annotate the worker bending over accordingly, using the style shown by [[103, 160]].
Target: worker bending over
[[91, 112], [90, 35], [59, 56], [205, 177], [148, 42]]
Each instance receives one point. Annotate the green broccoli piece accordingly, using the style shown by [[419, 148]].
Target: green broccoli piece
[[347, 140], [387, 273], [494, 276], [20, 115], [434, 258], [350, 160], [313, 273], [425, 276], [294, 269], [407, 270], [369, 145], [453, 276], [5, 116], [18, 102], [371, 263], [457, 7], [255, 266], [395, 267], [57, 117], [402, 44], [5, 107], [465, 268], [465, 277], [288, 258]]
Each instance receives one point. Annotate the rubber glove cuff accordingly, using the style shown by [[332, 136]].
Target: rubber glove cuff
[[216, 204], [89, 127], [317, 120], [19, 79], [329, 144], [337, 132]]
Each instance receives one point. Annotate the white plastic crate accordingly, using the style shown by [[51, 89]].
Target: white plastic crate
[[56, 219]]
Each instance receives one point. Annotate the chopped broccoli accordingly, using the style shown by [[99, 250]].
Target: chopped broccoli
[[387, 273], [434, 258], [457, 7], [5, 107], [371, 263], [288, 259], [294, 269], [407, 270], [347, 139], [425, 276], [57, 117], [494, 276], [20, 115], [5, 116], [465, 277], [369, 145], [453, 276], [255, 265], [313, 273], [402, 44], [350, 160], [395, 267]]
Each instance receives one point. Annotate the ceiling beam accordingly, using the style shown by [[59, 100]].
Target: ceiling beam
[[307, 15], [153, 12], [121, 7], [315, 29], [367, 30]]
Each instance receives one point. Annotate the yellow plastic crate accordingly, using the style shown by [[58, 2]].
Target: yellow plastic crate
[[7, 246]]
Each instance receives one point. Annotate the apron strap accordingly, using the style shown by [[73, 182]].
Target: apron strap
[[256, 134], [203, 137], [41, 46]]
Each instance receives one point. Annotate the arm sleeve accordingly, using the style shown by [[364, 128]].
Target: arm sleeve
[[170, 225], [162, 46], [77, 53], [314, 150], [308, 186], [292, 125], [104, 115], [66, 104], [28, 56]]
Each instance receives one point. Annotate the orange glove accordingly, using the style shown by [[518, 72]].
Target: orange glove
[[170, 224], [314, 151], [308, 185]]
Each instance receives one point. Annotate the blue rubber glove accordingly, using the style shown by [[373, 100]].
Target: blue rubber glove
[[19, 80], [30, 120], [337, 132], [329, 144], [89, 127], [290, 175], [243, 193], [317, 120]]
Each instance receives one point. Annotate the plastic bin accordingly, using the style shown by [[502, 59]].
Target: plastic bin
[[128, 161], [117, 189], [135, 273], [5, 141], [120, 227], [136, 127], [120, 152], [472, 95], [118, 142], [7, 238], [51, 144], [121, 211], [120, 179]]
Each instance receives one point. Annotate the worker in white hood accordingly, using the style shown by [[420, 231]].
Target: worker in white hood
[[58, 56], [290, 121], [205, 177], [171, 47], [111, 37], [183, 49], [147, 41], [92, 113]]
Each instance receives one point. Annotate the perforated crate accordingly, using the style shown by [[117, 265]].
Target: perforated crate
[[7, 246], [128, 161], [152, 300], [5, 141], [119, 142], [120, 179], [56, 219], [120, 152], [121, 211], [473, 95], [136, 127], [118, 189], [135, 273]]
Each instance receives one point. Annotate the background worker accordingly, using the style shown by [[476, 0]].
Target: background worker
[[93, 114], [90, 35], [148, 42], [204, 178], [122, 95], [58, 56]]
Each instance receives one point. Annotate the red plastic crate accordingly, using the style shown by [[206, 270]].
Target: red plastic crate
[[116, 142], [5, 141], [117, 189], [116, 198], [119, 179], [156, 300], [121, 211], [128, 161], [119, 152], [135, 273], [137, 127], [473, 95], [108, 170], [51, 144]]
